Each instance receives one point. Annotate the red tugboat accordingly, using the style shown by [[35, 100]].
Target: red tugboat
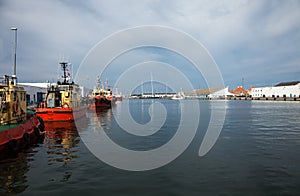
[[102, 98], [63, 101], [17, 127]]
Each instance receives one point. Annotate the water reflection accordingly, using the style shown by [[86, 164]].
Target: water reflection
[[61, 139], [13, 173], [100, 118], [14, 166]]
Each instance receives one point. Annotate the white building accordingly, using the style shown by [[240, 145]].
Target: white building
[[220, 94], [35, 91], [284, 89]]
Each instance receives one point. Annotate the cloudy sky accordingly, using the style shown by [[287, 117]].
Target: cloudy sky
[[255, 40]]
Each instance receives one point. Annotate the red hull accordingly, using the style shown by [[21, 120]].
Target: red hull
[[29, 131], [100, 102], [61, 114]]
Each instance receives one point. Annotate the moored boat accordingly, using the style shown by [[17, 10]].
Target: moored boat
[[179, 96], [18, 128], [63, 100], [101, 98], [118, 96]]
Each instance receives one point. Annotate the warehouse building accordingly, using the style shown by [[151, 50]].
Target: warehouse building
[[281, 90]]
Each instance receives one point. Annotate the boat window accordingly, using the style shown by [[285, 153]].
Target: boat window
[[58, 97], [64, 88], [15, 96], [50, 102]]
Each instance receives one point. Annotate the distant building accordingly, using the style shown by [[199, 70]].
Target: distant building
[[220, 94], [209, 93], [240, 92], [35, 92], [284, 89]]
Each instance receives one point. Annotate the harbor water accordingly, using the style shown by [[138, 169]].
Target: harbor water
[[256, 153]]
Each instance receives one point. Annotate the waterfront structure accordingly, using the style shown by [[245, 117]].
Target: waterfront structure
[[35, 92], [152, 96], [240, 92], [200, 93], [220, 94], [209, 93], [281, 90]]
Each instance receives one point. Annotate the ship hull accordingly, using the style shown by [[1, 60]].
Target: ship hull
[[16, 136], [100, 102], [61, 114]]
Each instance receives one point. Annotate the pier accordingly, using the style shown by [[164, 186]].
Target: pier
[[265, 98]]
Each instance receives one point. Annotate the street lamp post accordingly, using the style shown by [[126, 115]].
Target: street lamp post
[[15, 56]]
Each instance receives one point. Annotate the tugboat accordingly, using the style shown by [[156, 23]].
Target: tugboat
[[63, 101], [102, 98], [18, 128]]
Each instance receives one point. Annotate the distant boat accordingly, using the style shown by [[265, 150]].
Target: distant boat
[[117, 96], [179, 95], [63, 101], [101, 98], [18, 127]]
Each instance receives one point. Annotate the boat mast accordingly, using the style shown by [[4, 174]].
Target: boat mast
[[106, 84], [166, 90], [151, 85], [99, 83], [142, 89], [64, 66]]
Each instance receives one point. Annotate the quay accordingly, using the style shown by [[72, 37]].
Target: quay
[[265, 98]]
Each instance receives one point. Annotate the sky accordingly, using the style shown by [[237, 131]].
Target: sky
[[255, 43]]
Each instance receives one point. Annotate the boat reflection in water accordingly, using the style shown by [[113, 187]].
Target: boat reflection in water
[[61, 139], [13, 178], [100, 118]]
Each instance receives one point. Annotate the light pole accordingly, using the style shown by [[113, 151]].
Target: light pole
[[15, 56]]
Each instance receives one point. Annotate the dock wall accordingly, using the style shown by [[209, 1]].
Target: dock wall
[[265, 98]]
